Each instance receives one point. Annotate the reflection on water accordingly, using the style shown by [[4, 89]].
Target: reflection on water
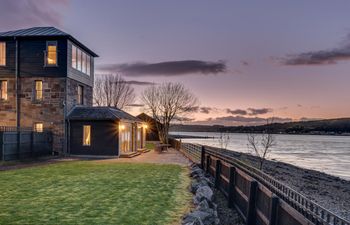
[[329, 154]]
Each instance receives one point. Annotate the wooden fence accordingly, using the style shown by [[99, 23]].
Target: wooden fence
[[258, 197], [21, 144]]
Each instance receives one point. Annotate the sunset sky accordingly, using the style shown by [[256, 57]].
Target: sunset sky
[[244, 60]]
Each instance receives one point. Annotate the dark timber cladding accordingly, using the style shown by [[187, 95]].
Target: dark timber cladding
[[102, 136]]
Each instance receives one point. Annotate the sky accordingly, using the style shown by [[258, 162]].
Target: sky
[[244, 60]]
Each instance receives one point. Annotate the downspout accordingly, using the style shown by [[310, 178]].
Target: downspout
[[18, 117]]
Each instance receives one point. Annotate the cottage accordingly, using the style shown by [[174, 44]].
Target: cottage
[[104, 131], [152, 131]]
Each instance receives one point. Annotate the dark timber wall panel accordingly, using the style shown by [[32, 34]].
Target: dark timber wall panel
[[104, 138], [32, 58]]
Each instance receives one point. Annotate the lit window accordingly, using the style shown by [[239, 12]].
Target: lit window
[[88, 65], [86, 135], [38, 90], [79, 59], [74, 57], [83, 62], [3, 89], [2, 53], [80, 95], [51, 53], [38, 127]]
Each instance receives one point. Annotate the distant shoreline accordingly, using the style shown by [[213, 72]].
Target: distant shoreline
[[183, 136]]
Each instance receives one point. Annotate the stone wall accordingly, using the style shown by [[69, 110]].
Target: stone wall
[[49, 111], [72, 94], [8, 107]]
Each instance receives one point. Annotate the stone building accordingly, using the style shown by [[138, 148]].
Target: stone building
[[44, 73]]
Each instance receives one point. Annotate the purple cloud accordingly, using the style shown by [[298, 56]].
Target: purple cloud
[[26, 13], [169, 68]]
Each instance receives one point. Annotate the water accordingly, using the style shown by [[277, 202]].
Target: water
[[329, 154]]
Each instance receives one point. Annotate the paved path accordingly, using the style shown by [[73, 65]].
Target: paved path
[[168, 157]]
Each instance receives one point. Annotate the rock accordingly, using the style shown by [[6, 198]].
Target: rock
[[203, 205], [203, 192], [196, 184], [196, 172], [199, 217]]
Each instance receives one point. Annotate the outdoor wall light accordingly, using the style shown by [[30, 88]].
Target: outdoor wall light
[[121, 127]]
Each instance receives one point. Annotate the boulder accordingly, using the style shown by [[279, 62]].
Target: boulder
[[197, 217], [203, 192], [196, 171], [196, 184]]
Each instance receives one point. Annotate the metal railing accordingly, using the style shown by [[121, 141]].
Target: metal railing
[[309, 209]]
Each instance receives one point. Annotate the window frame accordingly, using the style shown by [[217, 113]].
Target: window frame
[[5, 51], [82, 60], [80, 95], [87, 143], [36, 129], [47, 54], [37, 91], [1, 96]]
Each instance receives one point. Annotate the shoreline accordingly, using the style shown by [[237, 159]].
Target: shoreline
[[178, 136], [330, 192]]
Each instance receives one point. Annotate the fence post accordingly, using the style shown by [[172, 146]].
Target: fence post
[[251, 203], [202, 157], [217, 173], [274, 203], [231, 186], [208, 164]]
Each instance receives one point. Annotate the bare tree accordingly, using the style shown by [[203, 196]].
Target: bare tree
[[113, 90], [166, 102], [261, 144]]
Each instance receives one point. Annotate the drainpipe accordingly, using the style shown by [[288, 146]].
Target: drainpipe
[[18, 117]]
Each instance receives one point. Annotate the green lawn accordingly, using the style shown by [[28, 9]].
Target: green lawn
[[150, 145], [92, 192]]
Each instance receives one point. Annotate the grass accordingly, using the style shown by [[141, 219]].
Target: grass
[[90, 192], [150, 145]]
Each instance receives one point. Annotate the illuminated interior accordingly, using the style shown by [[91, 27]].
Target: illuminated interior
[[52, 54], [87, 135]]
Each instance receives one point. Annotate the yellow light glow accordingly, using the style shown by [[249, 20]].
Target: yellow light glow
[[121, 127], [145, 126]]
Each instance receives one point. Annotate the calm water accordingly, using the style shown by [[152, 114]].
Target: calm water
[[329, 154]]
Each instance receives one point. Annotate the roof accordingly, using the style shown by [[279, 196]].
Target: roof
[[100, 113], [44, 32]]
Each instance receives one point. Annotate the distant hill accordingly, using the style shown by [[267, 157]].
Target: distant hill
[[329, 126]]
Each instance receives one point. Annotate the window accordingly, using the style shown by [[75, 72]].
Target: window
[[80, 60], [74, 57], [83, 63], [80, 95], [2, 53], [38, 127], [38, 90], [3, 90], [88, 65], [86, 135], [51, 53]]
